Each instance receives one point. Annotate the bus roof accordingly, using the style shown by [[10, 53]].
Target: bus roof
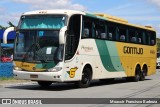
[[55, 11], [96, 15], [122, 21]]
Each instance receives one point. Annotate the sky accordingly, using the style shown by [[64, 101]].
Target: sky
[[142, 12]]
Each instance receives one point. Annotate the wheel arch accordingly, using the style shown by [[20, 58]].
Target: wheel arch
[[87, 65], [86, 77], [136, 67]]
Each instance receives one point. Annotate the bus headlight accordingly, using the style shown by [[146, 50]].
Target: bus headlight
[[55, 69], [17, 68]]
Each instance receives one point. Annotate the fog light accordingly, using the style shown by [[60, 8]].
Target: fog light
[[17, 68]]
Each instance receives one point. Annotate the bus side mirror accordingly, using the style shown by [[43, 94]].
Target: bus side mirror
[[6, 33], [62, 35]]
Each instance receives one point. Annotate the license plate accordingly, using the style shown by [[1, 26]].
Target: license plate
[[33, 76]]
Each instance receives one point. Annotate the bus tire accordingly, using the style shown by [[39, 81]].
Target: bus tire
[[142, 77], [143, 73], [86, 78], [44, 83], [137, 76]]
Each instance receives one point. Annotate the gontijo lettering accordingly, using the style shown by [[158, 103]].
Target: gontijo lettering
[[132, 50]]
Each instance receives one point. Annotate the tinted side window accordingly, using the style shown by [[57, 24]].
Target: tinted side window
[[99, 30], [87, 27], [139, 35], [152, 38], [132, 36], [73, 35], [122, 31], [111, 28]]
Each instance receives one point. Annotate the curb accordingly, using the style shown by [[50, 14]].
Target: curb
[[17, 84]]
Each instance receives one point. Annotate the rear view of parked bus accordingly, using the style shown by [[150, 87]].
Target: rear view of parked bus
[[74, 46]]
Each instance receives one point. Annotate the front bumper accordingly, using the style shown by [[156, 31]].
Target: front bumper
[[39, 76]]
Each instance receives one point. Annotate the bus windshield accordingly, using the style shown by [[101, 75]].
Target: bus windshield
[[38, 45], [42, 22], [38, 38]]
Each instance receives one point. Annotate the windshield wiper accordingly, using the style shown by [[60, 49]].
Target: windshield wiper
[[40, 53], [33, 48]]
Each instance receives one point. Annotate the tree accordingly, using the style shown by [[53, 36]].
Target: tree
[[11, 24], [2, 27]]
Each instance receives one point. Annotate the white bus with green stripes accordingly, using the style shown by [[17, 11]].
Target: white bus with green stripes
[[76, 46]]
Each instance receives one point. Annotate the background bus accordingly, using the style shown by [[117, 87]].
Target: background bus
[[74, 46], [158, 60]]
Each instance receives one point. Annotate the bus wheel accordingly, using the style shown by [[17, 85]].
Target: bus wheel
[[143, 74], [137, 76], [142, 77], [44, 83], [86, 78]]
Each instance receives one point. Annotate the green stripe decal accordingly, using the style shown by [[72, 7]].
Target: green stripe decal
[[109, 55], [95, 16], [91, 15], [46, 65]]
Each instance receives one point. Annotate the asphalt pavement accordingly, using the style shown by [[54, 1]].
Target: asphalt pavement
[[120, 88]]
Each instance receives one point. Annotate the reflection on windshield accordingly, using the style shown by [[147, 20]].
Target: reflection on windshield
[[37, 45], [48, 38], [42, 21], [25, 40]]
